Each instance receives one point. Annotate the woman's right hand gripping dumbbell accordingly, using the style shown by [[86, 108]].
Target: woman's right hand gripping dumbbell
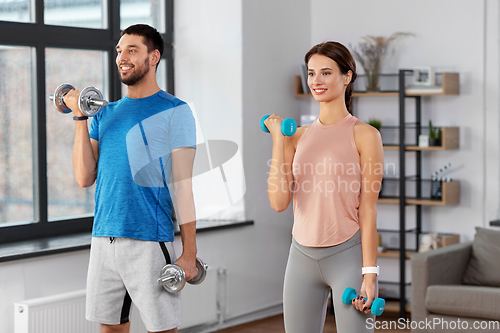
[[71, 101], [278, 125]]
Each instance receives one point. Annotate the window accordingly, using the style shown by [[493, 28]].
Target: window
[[47, 45], [69, 13], [16, 10], [82, 68], [16, 140], [143, 11]]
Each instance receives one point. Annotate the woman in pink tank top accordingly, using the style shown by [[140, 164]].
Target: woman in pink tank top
[[332, 169]]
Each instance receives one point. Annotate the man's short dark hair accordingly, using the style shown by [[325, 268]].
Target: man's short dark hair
[[152, 37]]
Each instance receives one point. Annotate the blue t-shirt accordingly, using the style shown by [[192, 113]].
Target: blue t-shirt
[[134, 166]]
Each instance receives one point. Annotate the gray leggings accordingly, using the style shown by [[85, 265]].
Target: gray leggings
[[310, 274]]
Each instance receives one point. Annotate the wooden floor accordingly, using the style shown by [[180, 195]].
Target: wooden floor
[[275, 325]]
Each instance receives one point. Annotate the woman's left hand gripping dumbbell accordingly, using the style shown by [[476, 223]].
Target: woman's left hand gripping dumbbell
[[368, 290]]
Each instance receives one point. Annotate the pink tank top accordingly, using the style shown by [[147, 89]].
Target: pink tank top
[[327, 179]]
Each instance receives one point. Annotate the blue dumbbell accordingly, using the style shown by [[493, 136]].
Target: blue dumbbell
[[288, 126], [378, 304]]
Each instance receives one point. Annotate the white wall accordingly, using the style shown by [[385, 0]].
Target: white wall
[[491, 106], [275, 39], [208, 76], [235, 60]]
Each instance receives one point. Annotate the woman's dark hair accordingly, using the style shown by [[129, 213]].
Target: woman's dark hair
[[152, 37], [341, 55]]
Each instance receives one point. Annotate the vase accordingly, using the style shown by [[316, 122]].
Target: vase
[[372, 77], [434, 142]]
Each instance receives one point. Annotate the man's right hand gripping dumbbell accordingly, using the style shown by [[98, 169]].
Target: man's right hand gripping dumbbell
[[71, 101], [84, 104]]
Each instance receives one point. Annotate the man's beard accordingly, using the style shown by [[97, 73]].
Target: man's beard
[[137, 75]]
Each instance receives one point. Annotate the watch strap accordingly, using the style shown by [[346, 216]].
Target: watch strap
[[367, 270]]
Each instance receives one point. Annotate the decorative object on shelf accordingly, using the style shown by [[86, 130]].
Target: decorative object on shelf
[[307, 119], [435, 135], [436, 189], [423, 140], [371, 54], [432, 241], [441, 171], [380, 247], [377, 123], [437, 182], [423, 76], [428, 242]]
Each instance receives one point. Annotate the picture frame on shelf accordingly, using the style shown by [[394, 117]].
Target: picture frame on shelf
[[424, 76], [423, 140]]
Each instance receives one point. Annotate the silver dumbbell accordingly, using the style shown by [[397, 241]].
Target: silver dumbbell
[[90, 100], [173, 277]]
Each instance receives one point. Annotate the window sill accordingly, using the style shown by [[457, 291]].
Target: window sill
[[61, 244]]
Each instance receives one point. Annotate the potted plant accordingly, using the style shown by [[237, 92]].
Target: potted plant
[[435, 135], [377, 123], [371, 53]]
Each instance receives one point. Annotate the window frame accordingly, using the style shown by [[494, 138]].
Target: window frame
[[40, 36]]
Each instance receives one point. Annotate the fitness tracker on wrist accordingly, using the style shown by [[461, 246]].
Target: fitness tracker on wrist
[[81, 118], [366, 270]]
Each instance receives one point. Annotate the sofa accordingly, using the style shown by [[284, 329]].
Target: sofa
[[457, 288]]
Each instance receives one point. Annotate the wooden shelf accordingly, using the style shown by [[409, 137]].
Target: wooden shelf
[[450, 86], [375, 94], [395, 254], [299, 92], [450, 140], [388, 200], [450, 196]]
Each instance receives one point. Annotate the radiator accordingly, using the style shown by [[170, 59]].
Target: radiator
[[65, 313], [53, 314]]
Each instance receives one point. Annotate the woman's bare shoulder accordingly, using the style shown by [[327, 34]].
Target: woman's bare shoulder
[[366, 135], [365, 130]]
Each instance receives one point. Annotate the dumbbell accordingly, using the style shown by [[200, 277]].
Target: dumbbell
[[90, 100], [173, 277], [378, 305], [288, 126]]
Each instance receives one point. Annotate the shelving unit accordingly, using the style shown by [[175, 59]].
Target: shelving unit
[[450, 190]]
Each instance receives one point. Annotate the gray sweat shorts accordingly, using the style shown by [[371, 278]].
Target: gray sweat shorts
[[122, 271]]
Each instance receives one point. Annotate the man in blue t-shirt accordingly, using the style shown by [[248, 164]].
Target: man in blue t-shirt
[[139, 152]]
